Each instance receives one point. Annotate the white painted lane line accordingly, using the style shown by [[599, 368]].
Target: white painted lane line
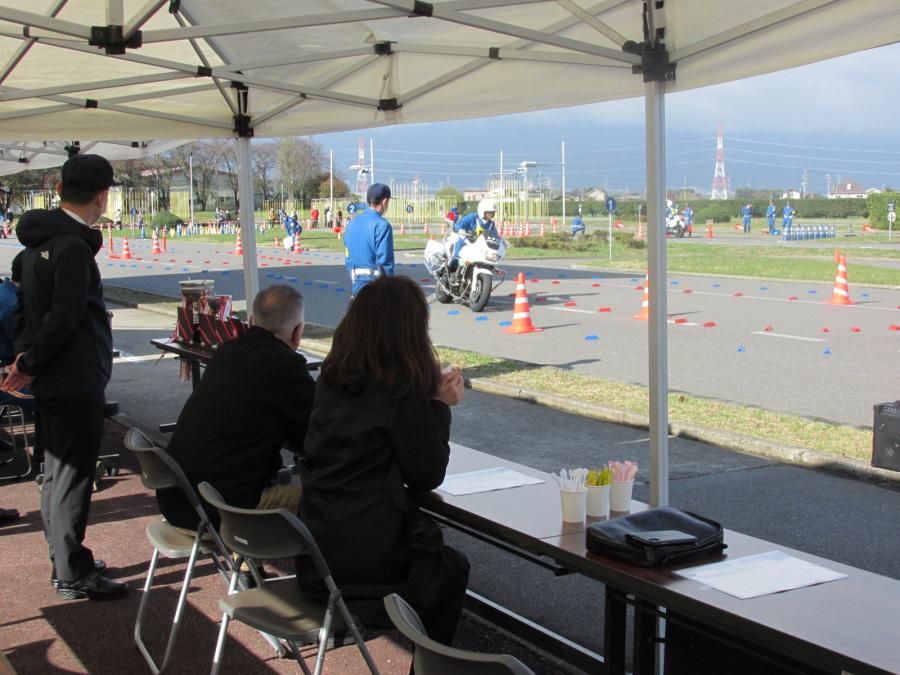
[[570, 309], [128, 358], [788, 337]]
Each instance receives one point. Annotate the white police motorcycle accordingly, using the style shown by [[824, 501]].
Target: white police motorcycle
[[472, 281]]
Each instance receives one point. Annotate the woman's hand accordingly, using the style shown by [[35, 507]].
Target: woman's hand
[[451, 389]]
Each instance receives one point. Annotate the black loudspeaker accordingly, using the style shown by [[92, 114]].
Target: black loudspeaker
[[886, 436]]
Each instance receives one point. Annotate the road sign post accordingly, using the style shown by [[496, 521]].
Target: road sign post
[[892, 216], [610, 207]]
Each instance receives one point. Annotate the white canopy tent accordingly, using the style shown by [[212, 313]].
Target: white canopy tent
[[16, 156], [162, 69]]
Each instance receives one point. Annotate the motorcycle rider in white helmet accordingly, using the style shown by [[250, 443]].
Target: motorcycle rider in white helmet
[[473, 224]]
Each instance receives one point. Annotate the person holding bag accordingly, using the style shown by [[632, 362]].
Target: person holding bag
[[380, 430]]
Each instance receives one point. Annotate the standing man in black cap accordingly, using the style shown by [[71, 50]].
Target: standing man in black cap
[[65, 352], [369, 240]]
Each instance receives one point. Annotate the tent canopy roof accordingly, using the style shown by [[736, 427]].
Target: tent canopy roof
[[328, 65]]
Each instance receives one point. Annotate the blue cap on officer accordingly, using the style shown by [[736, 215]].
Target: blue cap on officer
[[377, 192]]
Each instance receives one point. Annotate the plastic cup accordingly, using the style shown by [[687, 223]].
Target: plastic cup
[[598, 501], [574, 505], [620, 496]]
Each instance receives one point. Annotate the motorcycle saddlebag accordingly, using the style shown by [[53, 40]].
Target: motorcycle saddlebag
[[611, 538]]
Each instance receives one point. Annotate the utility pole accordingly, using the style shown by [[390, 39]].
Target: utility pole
[[804, 181], [502, 216], [564, 184], [372, 160], [330, 182], [828, 184]]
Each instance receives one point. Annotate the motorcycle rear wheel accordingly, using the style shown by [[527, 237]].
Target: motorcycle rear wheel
[[481, 293]]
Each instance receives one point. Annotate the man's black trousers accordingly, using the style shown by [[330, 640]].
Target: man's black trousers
[[70, 429]]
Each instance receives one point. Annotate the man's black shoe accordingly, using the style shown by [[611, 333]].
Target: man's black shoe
[[94, 586], [8, 516], [99, 566]]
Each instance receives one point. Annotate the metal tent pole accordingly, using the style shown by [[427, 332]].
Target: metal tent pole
[[655, 116], [248, 226]]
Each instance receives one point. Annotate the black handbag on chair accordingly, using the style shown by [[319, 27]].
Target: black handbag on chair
[[660, 536]]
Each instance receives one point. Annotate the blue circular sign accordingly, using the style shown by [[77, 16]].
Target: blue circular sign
[[611, 204], [409, 208], [351, 209], [133, 211]]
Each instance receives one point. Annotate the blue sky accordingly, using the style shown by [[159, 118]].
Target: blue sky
[[838, 117]]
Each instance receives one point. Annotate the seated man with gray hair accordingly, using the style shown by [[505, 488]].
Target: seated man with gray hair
[[254, 399]]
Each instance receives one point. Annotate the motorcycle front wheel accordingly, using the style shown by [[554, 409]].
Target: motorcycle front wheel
[[441, 295], [481, 293]]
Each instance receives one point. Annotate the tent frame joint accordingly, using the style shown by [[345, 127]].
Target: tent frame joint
[[112, 39], [421, 8], [243, 126], [655, 65], [389, 104], [383, 48]]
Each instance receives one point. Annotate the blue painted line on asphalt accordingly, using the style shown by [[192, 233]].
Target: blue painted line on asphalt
[[811, 291], [717, 285], [340, 289], [741, 348], [633, 280], [323, 285], [592, 337], [505, 323], [826, 352], [225, 273], [307, 283], [763, 288], [481, 318], [864, 295], [453, 312], [673, 283]]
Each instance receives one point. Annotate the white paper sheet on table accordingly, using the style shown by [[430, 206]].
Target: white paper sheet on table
[[760, 574], [485, 480]]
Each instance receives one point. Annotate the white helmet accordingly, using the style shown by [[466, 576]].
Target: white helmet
[[485, 206]]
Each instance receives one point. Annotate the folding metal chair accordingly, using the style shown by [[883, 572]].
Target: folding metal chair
[[158, 471], [278, 607], [434, 658]]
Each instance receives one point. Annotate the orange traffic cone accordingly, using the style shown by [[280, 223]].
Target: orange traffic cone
[[155, 250], [867, 228], [640, 233], [402, 229], [709, 234], [297, 249], [238, 246], [644, 314], [126, 251], [110, 249], [521, 312], [618, 225], [841, 293], [164, 241]]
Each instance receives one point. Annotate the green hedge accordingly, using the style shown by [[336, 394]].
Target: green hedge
[[877, 206], [161, 218]]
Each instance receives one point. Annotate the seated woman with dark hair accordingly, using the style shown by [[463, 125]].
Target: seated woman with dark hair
[[380, 428]]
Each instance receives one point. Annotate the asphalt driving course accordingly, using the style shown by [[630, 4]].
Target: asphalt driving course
[[776, 345]]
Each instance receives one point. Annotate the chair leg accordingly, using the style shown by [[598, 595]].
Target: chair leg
[[299, 657], [223, 629], [148, 583], [324, 632], [182, 601], [351, 624]]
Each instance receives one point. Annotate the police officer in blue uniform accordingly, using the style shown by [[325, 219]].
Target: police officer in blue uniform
[[787, 216], [770, 216], [369, 240], [747, 212]]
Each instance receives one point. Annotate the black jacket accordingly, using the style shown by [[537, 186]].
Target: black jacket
[[254, 398], [66, 333], [361, 450]]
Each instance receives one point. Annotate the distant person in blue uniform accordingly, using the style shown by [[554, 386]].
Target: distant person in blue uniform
[[471, 225], [746, 213], [577, 225], [787, 216], [689, 220], [770, 216], [369, 241]]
